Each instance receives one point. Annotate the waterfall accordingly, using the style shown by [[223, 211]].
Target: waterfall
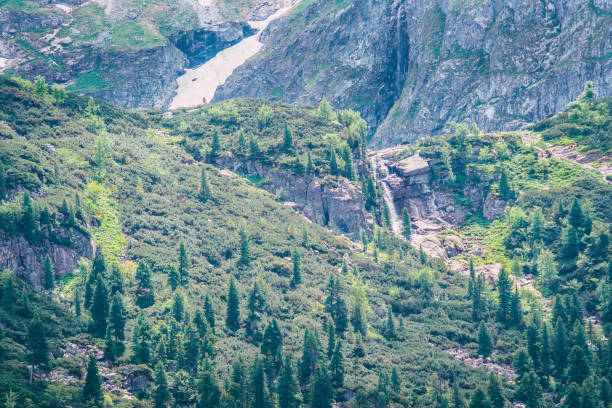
[[393, 215]]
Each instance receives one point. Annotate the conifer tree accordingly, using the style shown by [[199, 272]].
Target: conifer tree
[[396, 382], [545, 354], [255, 305], [116, 280], [254, 150], [178, 307], [117, 322], [208, 386], [287, 137], [495, 393], [572, 397], [516, 310], [389, 325], [322, 391], [98, 265], [337, 366], [480, 400], [77, 302], [577, 365], [145, 294], [142, 340], [232, 320], [530, 390], [161, 396], [559, 348], [309, 164], [534, 342], [310, 355], [38, 348], [49, 276], [485, 345], [100, 308], [406, 224], [297, 269], [258, 386], [27, 217], [504, 288], [358, 320], [504, 186], [183, 261], [174, 279], [204, 187], [92, 390], [359, 350], [214, 146], [333, 162], [571, 243], [331, 340], [575, 215], [349, 168], [287, 389], [271, 349], [209, 312], [245, 253]]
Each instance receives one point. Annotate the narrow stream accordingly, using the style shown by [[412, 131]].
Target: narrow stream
[[381, 168], [198, 85]]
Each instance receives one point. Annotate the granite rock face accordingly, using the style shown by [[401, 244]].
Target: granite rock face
[[411, 66], [336, 204], [25, 259]]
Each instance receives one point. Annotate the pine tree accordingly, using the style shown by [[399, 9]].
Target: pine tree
[[255, 305], [27, 217], [214, 146], [522, 363], [92, 390], [331, 340], [254, 150], [209, 312], [571, 243], [117, 322], [458, 401], [208, 386], [116, 280], [530, 390], [183, 260], [337, 366], [349, 169], [577, 365], [258, 386], [178, 307], [146, 296], [99, 308], [504, 187], [245, 253], [480, 400], [98, 265], [297, 269], [396, 382], [559, 348], [333, 162], [545, 354], [534, 342], [309, 164], [406, 224], [142, 340], [485, 345], [504, 288], [174, 279], [322, 391], [309, 357], [77, 302], [241, 141], [389, 325], [48, 268], [232, 320], [516, 310], [161, 395], [287, 386], [38, 348], [287, 137], [204, 187], [271, 349], [572, 397], [575, 215], [358, 320], [495, 393]]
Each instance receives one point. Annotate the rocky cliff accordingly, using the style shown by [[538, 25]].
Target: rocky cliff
[[332, 202], [411, 66], [25, 258]]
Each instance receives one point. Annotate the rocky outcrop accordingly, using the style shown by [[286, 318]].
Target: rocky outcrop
[[25, 259], [202, 44], [412, 66], [337, 204]]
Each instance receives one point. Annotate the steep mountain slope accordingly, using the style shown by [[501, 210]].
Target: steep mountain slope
[[410, 67], [139, 196], [125, 52]]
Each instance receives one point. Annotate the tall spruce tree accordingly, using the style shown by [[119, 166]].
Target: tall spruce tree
[[209, 312], [92, 390], [310, 355], [161, 395], [287, 137], [333, 162], [287, 388], [389, 330], [504, 291], [271, 349], [297, 269], [336, 366], [205, 194], [208, 386], [38, 348], [258, 386], [100, 308], [183, 261], [232, 320], [495, 393], [245, 253], [406, 224], [322, 391], [485, 344], [49, 275]]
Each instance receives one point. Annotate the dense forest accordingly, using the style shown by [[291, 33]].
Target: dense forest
[[203, 286]]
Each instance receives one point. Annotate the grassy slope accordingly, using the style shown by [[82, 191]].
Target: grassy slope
[[153, 184]]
